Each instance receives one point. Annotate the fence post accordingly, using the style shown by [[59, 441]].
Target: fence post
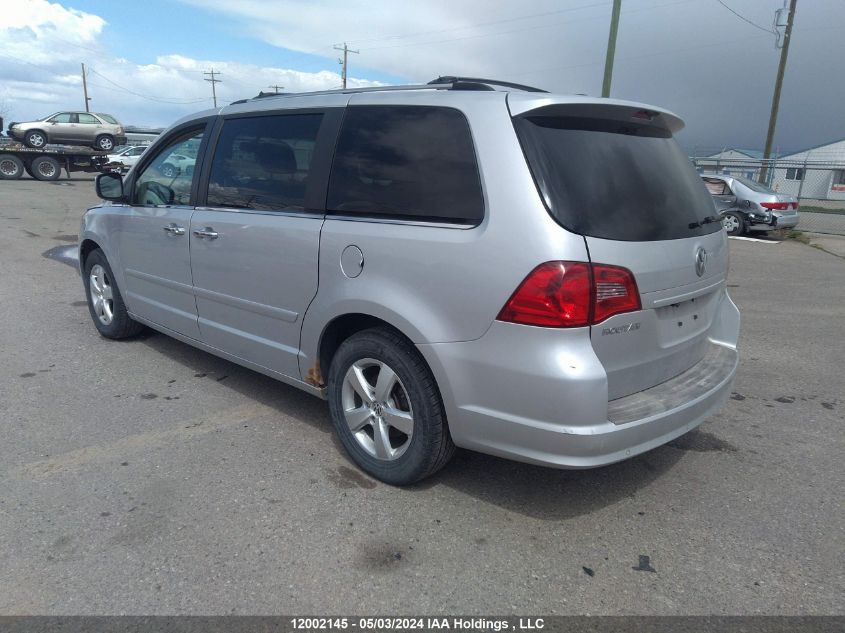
[[803, 176]]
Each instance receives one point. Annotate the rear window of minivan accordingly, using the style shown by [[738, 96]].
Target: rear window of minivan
[[615, 180], [406, 162]]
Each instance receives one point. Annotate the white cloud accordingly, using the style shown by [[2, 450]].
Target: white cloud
[[37, 76]]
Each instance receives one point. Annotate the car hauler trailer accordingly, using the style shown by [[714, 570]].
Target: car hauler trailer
[[47, 163]]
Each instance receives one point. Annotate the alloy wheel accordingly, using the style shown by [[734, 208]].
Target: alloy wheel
[[377, 409], [102, 295]]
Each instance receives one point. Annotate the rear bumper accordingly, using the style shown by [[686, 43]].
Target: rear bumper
[[540, 396], [778, 222]]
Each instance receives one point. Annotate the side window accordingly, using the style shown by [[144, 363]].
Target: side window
[[168, 178], [717, 187], [87, 118], [263, 162], [406, 162], [63, 117]]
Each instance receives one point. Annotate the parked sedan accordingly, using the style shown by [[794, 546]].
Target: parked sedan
[[100, 131], [747, 206], [127, 156]]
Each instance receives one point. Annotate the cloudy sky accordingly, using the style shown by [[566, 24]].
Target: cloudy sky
[[695, 57]]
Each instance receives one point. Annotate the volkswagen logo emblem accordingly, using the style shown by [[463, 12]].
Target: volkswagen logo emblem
[[700, 261]]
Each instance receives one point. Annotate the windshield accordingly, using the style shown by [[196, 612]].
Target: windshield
[[107, 118], [615, 180], [754, 186]]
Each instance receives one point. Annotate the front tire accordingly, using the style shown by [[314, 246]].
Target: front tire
[[734, 223], [104, 142], [105, 302], [386, 408], [35, 138]]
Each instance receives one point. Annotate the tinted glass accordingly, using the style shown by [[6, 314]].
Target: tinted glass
[[87, 118], [107, 118], [616, 180], [64, 117], [263, 162], [406, 162], [168, 178]]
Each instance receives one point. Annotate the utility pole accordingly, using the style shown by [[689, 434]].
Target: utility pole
[[85, 88], [345, 61], [773, 116], [276, 88], [611, 48], [213, 81]]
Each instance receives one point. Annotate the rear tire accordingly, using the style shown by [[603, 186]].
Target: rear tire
[[11, 167], [105, 303], [104, 142], [734, 223], [398, 432], [46, 168], [35, 138]]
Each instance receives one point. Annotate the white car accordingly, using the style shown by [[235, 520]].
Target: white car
[[127, 156]]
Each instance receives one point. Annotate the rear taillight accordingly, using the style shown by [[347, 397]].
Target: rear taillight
[[775, 206], [571, 294], [615, 292]]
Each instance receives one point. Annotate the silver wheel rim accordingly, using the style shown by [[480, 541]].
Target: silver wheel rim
[[106, 143], [46, 168], [8, 168], [36, 140], [168, 171], [102, 296], [377, 409], [730, 223]]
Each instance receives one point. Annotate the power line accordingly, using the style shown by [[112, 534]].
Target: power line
[[143, 96], [526, 28], [213, 81], [480, 24], [744, 19]]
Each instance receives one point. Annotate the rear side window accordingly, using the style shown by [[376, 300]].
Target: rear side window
[[406, 162], [616, 180], [263, 162], [87, 118]]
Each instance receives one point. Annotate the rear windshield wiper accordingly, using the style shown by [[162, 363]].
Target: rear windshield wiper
[[707, 220]]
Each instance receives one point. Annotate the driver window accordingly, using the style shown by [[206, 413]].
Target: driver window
[[64, 117], [170, 175]]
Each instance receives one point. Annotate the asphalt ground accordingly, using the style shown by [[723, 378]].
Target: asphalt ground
[[147, 477]]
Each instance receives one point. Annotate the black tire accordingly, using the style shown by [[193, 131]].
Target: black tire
[[734, 223], [11, 167], [430, 446], [46, 168], [104, 142], [35, 138], [169, 171], [121, 326]]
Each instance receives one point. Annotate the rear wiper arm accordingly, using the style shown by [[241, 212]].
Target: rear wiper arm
[[707, 220]]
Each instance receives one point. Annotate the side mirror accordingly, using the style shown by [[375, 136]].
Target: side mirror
[[109, 186]]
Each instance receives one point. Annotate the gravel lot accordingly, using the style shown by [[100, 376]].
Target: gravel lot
[[147, 477]]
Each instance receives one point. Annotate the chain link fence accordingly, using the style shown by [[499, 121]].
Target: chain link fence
[[818, 185]]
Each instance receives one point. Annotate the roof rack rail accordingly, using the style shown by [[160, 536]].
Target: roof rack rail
[[476, 83]]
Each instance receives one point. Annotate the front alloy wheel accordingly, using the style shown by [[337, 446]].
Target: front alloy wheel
[[102, 297], [377, 409]]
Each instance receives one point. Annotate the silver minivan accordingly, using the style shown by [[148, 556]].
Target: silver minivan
[[464, 263]]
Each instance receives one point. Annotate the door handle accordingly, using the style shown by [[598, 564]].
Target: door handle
[[208, 232], [174, 229]]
